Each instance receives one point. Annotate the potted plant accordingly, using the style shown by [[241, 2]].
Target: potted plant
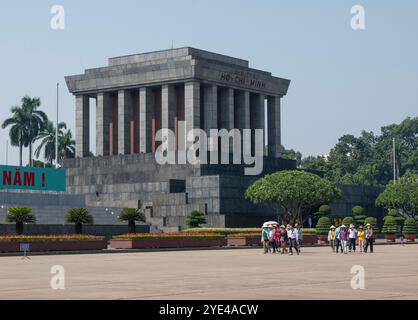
[[358, 215], [20, 216], [410, 230], [390, 228], [322, 229], [131, 215], [78, 216]]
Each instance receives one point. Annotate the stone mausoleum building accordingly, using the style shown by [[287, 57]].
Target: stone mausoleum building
[[137, 95]]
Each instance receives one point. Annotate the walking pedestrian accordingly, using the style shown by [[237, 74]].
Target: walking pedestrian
[[352, 238], [337, 240], [343, 239], [265, 239], [369, 238], [283, 239], [331, 238], [360, 238], [292, 235], [274, 238], [300, 235]]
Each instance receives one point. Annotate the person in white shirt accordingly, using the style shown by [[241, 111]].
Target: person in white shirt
[[352, 238], [293, 236]]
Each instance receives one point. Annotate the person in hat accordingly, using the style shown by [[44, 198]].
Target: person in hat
[[292, 235], [369, 238], [337, 240], [352, 238], [265, 239], [343, 239], [283, 239], [360, 238], [331, 238]]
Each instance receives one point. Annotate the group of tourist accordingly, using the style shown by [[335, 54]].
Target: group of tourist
[[347, 239], [285, 239], [281, 239]]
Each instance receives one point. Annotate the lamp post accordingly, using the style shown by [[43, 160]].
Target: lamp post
[[56, 130]]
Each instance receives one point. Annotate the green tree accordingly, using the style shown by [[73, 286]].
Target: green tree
[[402, 195], [20, 216], [78, 216], [296, 192], [195, 219], [292, 155], [66, 145], [132, 215], [26, 123]]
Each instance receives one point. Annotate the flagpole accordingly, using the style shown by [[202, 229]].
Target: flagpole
[[394, 161], [56, 130]]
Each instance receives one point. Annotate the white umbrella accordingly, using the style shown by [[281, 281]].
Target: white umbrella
[[270, 223]]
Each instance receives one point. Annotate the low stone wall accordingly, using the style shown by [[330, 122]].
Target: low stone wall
[[167, 243], [107, 231], [43, 246]]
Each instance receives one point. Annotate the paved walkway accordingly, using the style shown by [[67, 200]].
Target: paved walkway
[[390, 273]]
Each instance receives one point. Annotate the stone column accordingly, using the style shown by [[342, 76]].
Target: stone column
[[274, 126], [192, 106], [102, 124], [124, 118], [146, 103], [168, 111], [227, 108], [82, 118], [210, 105], [242, 110], [257, 116]]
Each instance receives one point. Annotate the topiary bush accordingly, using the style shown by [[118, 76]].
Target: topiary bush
[[358, 215], [322, 227], [373, 222], [409, 226], [195, 219], [323, 211], [348, 220], [390, 226]]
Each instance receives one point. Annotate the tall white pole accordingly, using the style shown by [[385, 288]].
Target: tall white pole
[[56, 130], [394, 161], [7, 152]]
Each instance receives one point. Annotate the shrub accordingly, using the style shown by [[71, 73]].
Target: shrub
[[20, 215], [323, 225], [390, 226], [348, 220], [131, 215], [78, 216], [46, 238], [195, 219], [373, 222], [358, 215], [409, 226], [173, 235]]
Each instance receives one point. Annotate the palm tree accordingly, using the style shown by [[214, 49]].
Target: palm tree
[[20, 216], [78, 216], [26, 123], [17, 133], [66, 145]]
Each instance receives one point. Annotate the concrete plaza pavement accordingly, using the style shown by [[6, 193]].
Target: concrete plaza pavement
[[390, 273]]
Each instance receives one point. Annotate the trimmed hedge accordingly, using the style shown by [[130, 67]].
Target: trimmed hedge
[[348, 220], [173, 235], [410, 226], [51, 238], [322, 227], [390, 226]]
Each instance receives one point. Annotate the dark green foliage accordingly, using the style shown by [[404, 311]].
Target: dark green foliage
[[195, 219], [78, 216], [358, 215], [348, 220], [131, 215], [409, 226], [323, 225], [390, 226], [20, 216]]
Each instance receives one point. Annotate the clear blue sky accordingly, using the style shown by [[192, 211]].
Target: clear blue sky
[[343, 81]]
